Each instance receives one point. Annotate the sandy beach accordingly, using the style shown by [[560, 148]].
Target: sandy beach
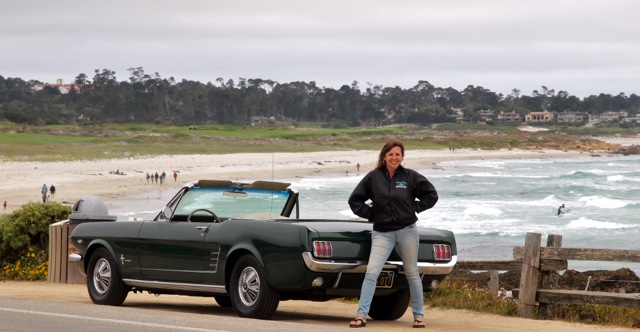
[[22, 181]]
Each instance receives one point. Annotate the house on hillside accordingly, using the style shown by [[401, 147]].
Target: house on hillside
[[544, 116], [608, 116], [572, 117], [458, 113], [508, 117], [63, 88], [486, 115]]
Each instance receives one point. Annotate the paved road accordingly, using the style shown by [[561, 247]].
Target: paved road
[[28, 315], [42, 306]]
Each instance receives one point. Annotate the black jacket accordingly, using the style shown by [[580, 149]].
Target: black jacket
[[394, 202]]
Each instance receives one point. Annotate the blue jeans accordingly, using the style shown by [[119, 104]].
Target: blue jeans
[[382, 243]]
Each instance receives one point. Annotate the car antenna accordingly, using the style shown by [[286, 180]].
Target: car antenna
[[273, 161]]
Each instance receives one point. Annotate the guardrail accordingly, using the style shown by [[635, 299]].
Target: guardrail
[[540, 265]]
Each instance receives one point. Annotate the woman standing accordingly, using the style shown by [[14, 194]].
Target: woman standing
[[396, 194]]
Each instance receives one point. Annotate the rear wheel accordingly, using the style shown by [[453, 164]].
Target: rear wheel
[[390, 307], [104, 283], [251, 294]]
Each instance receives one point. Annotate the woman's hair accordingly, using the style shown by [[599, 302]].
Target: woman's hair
[[391, 143]]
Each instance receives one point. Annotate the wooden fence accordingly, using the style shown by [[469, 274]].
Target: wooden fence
[[540, 265], [60, 271]]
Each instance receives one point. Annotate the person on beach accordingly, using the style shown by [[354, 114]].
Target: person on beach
[[397, 194], [175, 176], [44, 192], [4, 205], [52, 190]]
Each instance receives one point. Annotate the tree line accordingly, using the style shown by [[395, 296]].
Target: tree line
[[145, 98]]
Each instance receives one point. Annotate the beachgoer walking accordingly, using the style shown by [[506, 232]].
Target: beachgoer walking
[[395, 195], [148, 176], [4, 205], [44, 193], [52, 190], [175, 176]]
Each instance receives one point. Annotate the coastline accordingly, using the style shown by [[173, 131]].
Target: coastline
[[77, 179]]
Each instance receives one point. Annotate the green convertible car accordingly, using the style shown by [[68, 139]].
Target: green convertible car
[[245, 245]]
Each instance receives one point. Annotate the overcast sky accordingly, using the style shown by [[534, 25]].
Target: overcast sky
[[583, 47]]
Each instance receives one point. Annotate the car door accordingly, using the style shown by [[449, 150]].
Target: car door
[[173, 251], [217, 240]]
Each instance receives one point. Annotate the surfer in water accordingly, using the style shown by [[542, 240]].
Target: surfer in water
[[561, 209]]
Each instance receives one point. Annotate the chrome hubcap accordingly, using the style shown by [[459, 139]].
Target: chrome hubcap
[[102, 276], [249, 286]]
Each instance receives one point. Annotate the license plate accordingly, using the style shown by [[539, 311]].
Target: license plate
[[385, 279]]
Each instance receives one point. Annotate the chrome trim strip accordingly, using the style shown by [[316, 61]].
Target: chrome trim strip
[[360, 266], [145, 284]]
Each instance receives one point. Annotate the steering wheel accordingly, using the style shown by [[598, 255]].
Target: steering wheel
[[217, 219]]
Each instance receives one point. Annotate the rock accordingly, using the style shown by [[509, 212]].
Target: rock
[[601, 280]]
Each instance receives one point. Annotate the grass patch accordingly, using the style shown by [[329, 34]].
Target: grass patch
[[107, 141], [454, 294], [458, 294]]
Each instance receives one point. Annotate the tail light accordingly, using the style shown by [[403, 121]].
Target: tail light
[[442, 252], [322, 249]]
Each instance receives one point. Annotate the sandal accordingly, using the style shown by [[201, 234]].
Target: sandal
[[358, 322], [418, 324]]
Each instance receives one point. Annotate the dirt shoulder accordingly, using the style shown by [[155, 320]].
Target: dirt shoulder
[[332, 313]]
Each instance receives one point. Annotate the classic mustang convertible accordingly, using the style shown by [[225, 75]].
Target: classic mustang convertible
[[245, 245]]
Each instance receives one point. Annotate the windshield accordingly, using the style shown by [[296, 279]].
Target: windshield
[[228, 203]]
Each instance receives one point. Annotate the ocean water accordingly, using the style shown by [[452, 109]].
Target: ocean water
[[490, 204]]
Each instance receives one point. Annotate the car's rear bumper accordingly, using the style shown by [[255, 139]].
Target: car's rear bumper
[[327, 266]]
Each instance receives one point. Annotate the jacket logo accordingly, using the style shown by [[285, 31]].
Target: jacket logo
[[401, 184]]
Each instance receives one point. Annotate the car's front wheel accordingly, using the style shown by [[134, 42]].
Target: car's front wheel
[[251, 294], [390, 307], [103, 280]]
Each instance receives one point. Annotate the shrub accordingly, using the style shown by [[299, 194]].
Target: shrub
[[33, 265], [27, 230]]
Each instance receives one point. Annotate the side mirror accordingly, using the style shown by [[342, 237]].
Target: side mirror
[[166, 213]]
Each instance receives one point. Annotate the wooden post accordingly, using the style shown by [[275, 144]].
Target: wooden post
[[529, 276], [57, 250], [494, 277], [549, 278]]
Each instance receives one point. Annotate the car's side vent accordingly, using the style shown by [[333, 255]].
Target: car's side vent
[[322, 249], [442, 252], [214, 259]]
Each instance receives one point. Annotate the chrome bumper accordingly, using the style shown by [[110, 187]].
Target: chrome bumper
[[75, 258], [317, 265]]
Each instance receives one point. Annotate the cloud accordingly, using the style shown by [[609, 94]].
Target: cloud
[[582, 47]]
